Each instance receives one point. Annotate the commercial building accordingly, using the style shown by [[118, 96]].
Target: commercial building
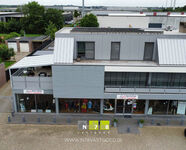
[[109, 71], [123, 19]]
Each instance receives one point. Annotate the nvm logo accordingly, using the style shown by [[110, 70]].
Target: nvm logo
[[94, 125]]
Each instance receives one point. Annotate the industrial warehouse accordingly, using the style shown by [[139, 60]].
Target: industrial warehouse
[[106, 71]]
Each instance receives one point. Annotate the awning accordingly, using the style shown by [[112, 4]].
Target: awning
[[63, 50], [34, 61], [172, 51]]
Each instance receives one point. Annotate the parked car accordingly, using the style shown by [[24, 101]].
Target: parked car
[[42, 74]]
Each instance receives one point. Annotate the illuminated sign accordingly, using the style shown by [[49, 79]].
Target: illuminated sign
[[33, 91]]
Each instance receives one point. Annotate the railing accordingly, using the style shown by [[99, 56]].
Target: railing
[[145, 89], [35, 82]]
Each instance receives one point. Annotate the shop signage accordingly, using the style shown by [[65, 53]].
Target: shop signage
[[127, 96], [33, 91]]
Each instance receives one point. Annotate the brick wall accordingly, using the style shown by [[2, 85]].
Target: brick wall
[[2, 74]]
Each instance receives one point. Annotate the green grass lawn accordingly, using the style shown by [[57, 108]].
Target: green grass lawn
[[8, 63], [27, 35], [32, 35]]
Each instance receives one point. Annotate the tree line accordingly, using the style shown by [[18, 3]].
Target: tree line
[[36, 20]]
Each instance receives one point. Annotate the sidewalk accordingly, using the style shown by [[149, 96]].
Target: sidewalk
[[125, 125]]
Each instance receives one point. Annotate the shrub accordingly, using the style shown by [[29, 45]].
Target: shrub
[[5, 52], [141, 121], [11, 35]]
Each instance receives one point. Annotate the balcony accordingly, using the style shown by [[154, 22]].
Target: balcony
[[145, 89], [38, 79]]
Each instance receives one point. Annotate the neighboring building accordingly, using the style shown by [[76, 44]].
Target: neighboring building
[[119, 19], [26, 44], [5, 16], [105, 71], [2, 74]]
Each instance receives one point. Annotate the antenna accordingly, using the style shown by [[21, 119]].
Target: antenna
[[171, 3], [174, 6], [166, 4], [83, 7]]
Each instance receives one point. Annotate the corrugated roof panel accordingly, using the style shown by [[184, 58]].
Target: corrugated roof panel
[[172, 51], [34, 61], [63, 50]]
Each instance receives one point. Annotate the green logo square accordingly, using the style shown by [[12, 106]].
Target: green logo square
[[104, 125], [93, 125]]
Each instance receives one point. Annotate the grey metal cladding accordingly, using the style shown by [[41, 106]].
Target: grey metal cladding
[[78, 81], [172, 51]]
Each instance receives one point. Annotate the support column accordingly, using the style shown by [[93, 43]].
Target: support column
[[146, 106], [14, 103], [101, 106], [57, 105]]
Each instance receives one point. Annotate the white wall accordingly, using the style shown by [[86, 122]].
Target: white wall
[[123, 22]]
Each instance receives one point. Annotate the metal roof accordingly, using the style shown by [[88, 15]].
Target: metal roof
[[34, 61], [42, 52], [96, 29], [172, 51], [26, 39], [63, 50]]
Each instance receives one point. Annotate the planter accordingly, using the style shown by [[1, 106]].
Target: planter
[[115, 124], [141, 125]]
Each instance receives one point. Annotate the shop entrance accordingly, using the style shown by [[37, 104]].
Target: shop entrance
[[124, 106]]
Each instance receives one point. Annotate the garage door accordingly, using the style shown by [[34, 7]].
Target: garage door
[[12, 45], [24, 47]]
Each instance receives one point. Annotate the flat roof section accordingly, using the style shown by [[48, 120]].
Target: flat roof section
[[34, 61], [124, 30]]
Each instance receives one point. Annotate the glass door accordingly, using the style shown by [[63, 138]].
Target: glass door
[[128, 107], [120, 106]]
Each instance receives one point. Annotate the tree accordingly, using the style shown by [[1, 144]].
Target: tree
[[76, 14], [5, 52], [50, 30], [89, 21], [55, 16], [13, 25], [33, 21]]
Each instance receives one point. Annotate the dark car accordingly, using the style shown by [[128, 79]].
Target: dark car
[[42, 74]]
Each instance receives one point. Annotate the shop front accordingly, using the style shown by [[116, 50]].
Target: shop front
[[91, 106], [40, 103], [129, 106]]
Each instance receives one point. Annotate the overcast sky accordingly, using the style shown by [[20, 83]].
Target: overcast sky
[[150, 3]]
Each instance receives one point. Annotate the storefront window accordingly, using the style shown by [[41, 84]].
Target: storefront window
[[26, 103], [79, 106], [45, 103], [35, 103], [109, 106], [158, 107], [138, 106]]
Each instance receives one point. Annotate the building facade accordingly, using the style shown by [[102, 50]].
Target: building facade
[[108, 71]]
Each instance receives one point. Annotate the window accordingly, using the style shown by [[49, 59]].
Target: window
[[126, 79], [148, 52], [115, 50], [155, 25], [85, 50]]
